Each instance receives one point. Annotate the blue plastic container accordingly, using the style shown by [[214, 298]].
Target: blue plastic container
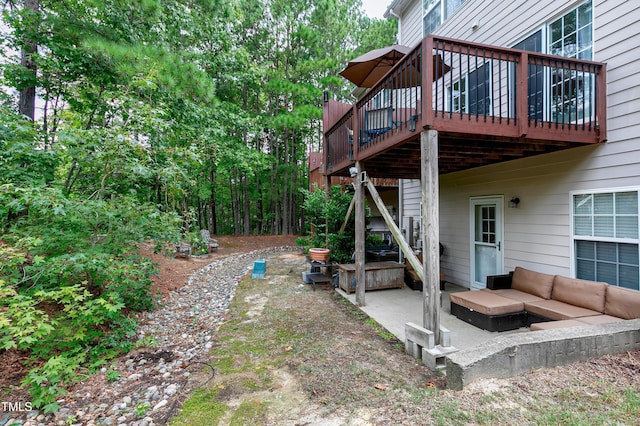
[[259, 269]]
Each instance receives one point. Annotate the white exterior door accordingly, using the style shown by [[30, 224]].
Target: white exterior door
[[486, 227]]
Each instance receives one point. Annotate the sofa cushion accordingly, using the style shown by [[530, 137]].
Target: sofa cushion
[[549, 325], [599, 319], [583, 293], [486, 302], [590, 320], [622, 302], [556, 310], [532, 282], [518, 295]]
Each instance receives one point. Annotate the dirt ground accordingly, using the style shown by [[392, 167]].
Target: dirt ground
[[175, 272]]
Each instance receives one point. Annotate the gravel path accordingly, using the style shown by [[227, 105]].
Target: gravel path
[[153, 381]]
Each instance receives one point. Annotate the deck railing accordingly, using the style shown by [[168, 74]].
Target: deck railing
[[340, 142], [538, 95], [474, 89]]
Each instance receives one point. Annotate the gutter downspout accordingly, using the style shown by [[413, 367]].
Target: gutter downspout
[[401, 211], [391, 13]]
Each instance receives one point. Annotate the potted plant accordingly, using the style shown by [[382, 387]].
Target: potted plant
[[319, 254]]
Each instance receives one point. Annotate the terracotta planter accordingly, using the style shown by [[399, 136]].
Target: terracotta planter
[[319, 254]]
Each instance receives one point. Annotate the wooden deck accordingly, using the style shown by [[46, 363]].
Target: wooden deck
[[489, 105]]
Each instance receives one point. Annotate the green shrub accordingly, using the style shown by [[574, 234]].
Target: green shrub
[[70, 276], [198, 245], [324, 216]]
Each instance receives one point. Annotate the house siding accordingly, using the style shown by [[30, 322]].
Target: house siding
[[410, 29], [410, 207], [537, 233]]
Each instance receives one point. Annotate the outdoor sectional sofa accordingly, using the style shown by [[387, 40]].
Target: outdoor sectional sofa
[[526, 298]]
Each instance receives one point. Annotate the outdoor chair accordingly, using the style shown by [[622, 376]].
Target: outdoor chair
[[212, 244]]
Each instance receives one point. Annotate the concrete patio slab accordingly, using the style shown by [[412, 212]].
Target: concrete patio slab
[[393, 308]]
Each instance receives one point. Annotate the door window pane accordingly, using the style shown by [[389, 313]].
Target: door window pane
[[432, 21], [486, 224], [485, 263]]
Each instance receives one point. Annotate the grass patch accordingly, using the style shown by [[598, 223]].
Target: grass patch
[[450, 413], [202, 409], [249, 412], [385, 334]]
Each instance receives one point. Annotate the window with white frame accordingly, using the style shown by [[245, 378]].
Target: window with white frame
[[431, 15], [605, 237], [571, 35], [472, 93], [435, 12], [451, 6], [457, 96]]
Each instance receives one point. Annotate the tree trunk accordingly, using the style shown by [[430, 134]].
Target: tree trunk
[[293, 178], [259, 212], [247, 207], [214, 216], [235, 206], [27, 100], [201, 213], [288, 137]]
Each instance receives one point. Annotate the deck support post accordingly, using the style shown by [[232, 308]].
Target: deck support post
[[346, 218], [430, 230], [360, 235], [395, 231]]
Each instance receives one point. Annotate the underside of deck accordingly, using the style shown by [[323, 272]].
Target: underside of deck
[[456, 152]]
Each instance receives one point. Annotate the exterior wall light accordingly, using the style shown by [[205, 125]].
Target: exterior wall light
[[513, 202]]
